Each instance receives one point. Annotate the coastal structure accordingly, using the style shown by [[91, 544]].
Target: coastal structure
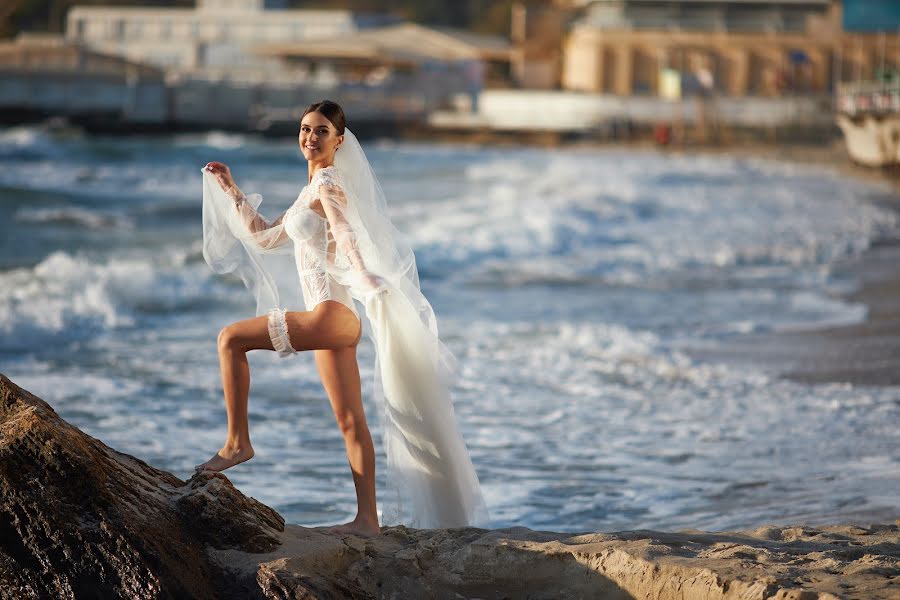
[[606, 65], [214, 37], [422, 68], [44, 74], [594, 65], [760, 48], [538, 33], [251, 65]]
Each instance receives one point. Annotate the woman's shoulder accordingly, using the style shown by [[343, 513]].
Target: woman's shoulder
[[329, 175]]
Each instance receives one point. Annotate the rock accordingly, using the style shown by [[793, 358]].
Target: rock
[[792, 563], [80, 520]]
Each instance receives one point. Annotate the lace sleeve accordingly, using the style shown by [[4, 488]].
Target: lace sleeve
[[330, 190], [263, 233]]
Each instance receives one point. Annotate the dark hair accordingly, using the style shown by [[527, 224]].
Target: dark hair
[[331, 111]]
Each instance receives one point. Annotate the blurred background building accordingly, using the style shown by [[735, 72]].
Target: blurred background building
[[247, 64], [215, 36], [734, 46], [590, 65], [42, 75], [737, 47], [764, 64]]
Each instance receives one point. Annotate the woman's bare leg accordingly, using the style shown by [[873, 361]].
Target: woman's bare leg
[[339, 371], [234, 342], [330, 325]]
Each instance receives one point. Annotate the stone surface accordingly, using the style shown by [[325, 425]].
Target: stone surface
[[80, 520], [783, 563]]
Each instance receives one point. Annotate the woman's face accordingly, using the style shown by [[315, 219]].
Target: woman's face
[[318, 138]]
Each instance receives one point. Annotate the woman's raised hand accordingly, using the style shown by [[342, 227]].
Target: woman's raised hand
[[222, 174]]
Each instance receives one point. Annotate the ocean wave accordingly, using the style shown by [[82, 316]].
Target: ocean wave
[[627, 219], [213, 139], [70, 296], [129, 184], [73, 215], [586, 358], [29, 142]]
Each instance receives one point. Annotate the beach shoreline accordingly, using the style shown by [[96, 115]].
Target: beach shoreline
[[861, 354], [865, 353]]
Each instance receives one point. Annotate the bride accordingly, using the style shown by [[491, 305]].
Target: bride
[[343, 247]]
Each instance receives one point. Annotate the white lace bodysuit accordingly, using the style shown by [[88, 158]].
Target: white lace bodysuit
[[313, 239]]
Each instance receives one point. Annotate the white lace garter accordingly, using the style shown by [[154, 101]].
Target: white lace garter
[[278, 332]]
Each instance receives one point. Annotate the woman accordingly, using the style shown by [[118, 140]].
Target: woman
[[345, 248]]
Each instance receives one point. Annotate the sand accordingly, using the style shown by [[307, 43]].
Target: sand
[[799, 563]]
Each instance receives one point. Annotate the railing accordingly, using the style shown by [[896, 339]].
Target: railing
[[868, 97]]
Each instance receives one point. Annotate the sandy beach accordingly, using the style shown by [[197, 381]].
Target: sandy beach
[[867, 353]]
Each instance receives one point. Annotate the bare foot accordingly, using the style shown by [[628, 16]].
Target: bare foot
[[227, 457], [358, 527]]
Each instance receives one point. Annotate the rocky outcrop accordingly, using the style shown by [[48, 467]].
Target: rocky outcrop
[[80, 520]]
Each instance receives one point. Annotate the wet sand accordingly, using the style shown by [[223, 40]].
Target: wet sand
[[866, 353]]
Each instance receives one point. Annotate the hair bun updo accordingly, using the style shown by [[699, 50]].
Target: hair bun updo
[[331, 111]]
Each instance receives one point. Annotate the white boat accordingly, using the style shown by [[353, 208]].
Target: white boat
[[868, 114]]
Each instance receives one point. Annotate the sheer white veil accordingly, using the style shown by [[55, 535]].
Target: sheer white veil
[[431, 481], [382, 246]]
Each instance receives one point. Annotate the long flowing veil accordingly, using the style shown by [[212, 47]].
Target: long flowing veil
[[431, 481]]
